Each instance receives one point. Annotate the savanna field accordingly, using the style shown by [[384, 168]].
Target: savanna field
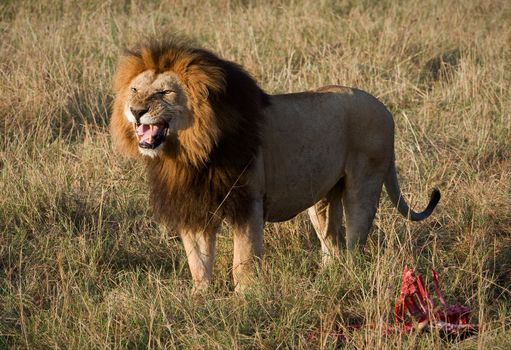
[[83, 263]]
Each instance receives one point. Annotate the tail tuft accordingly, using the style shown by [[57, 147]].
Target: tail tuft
[[435, 197], [433, 201]]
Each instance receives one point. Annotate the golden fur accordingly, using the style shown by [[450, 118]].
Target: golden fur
[[207, 159], [232, 152]]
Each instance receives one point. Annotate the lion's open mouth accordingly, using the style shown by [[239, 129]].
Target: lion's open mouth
[[150, 136]]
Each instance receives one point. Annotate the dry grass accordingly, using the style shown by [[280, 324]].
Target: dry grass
[[83, 265]]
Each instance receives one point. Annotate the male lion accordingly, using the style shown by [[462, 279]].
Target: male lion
[[218, 147]]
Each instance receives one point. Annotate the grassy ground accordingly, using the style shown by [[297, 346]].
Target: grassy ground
[[84, 266]]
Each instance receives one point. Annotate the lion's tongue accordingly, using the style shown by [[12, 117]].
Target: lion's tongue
[[147, 133]]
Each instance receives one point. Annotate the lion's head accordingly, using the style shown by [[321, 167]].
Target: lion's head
[[163, 100], [195, 118]]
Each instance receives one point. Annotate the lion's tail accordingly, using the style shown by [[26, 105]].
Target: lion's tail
[[392, 186]]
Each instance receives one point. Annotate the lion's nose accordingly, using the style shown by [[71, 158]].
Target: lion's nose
[[139, 112]]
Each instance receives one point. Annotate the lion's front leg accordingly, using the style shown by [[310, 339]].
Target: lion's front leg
[[248, 247], [200, 251]]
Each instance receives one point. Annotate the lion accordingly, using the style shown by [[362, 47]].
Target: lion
[[217, 148]]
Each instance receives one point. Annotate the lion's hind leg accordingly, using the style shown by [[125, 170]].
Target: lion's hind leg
[[360, 199], [326, 218]]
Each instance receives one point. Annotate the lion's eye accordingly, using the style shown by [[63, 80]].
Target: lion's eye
[[133, 89], [167, 92]]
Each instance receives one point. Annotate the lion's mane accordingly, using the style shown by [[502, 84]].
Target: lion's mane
[[200, 176]]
